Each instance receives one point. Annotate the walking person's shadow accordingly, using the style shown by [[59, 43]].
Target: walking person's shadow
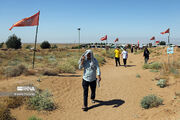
[[115, 103]]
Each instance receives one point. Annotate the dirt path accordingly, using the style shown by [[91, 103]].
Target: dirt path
[[118, 97]]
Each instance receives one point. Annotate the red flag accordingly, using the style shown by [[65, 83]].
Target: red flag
[[29, 21], [116, 40], [104, 38], [157, 42], [167, 31], [153, 38]]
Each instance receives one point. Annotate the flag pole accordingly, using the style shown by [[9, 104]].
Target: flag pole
[[35, 46], [35, 43]]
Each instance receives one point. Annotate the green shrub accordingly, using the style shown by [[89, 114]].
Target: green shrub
[[151, 101], [154, 65], [146, 66], [66, 68], [162, 83], [41, 101], [138, 76], [45, 45], [15, 70], [13, 42], [34, 118]]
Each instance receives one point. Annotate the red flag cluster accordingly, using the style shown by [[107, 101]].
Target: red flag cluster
[[153, 38], [157, 42], [167, 31], [29, 21], [104, 38], [116, 40]]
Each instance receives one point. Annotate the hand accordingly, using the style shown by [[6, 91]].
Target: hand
[[99, 77], [83, 58]]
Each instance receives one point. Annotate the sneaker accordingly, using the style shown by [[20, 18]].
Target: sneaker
[[85, 109], [93, 101]]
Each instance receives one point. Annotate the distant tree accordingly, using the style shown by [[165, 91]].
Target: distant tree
[[1, 44], [162, 43], [45, 45], [13, 42]]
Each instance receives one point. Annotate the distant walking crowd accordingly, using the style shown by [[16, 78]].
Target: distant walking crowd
[[124, 54]]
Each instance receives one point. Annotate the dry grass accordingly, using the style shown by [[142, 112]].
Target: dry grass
[[16, 62], [9, 102]]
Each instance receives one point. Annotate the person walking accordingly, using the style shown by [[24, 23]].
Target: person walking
[[124, 56], [146, 55], [117, 56], [132, 49], [91, 66]]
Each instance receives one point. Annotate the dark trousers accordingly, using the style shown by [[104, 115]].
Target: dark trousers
[[86, 85], [146, 59], [117, 60], [124, 61]]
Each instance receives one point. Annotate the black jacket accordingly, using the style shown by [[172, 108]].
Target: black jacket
[[146, 53]]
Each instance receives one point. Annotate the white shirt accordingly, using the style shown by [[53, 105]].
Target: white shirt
[[124, 54]]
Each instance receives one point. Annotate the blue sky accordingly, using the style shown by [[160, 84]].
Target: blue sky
[[129, 20]]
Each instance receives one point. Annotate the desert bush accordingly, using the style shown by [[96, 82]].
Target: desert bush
[[138, 76], [14, 62], [162, 83], [151, 101], [66, 68], [152, 70], [45, 45], [74, 62], [41, 101], [154, 65], [171, 68], [110, 53], [15, 70], [100, 59], [29, 72], [5, 113], [14, 102], [34, 118], [50, 72], [13, 42]]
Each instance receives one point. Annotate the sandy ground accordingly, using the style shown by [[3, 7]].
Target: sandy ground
[[118, 97]]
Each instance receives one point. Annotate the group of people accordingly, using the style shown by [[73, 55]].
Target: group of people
[[92, 72], [117, 54]]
